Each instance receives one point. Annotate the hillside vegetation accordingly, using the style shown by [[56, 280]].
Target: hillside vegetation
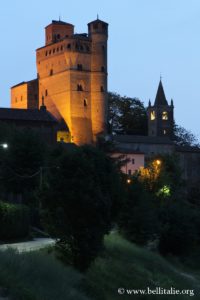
[[40, 276]]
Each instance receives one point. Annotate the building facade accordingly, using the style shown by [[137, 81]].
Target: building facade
[[71, 80]]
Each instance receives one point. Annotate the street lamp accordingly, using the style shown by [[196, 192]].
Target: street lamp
[[4, 145]]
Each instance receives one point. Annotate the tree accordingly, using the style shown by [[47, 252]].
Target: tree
[[79, 201], [21, 161], [126, 115], [184, 137]]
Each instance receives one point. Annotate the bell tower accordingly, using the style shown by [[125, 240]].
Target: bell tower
[[160, 115]]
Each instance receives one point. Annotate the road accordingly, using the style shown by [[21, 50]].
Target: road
[[36, 244]]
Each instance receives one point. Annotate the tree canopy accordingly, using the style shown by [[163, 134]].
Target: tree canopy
[[126, 115]]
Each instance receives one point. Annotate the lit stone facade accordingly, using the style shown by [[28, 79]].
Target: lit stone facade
[[72, 79]]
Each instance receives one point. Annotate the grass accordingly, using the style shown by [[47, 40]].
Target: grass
[[124, 265], [40, 276]]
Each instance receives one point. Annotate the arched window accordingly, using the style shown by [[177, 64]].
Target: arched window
[[85, 102], [79, 87], [46, 92], [153, 115], [79, 67], [164, 115]]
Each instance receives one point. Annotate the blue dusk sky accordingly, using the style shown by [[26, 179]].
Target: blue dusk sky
[[146, 38]]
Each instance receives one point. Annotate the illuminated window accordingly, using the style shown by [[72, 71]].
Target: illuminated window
[[153, 115], [164, 115], [164, 131]]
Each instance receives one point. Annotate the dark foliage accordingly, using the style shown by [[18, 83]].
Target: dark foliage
[[126, 115], [80, 201], [14, 221]]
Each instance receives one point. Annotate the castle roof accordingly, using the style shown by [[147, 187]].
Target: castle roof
[[59, 22], [160, 96], [141, 139], [97, 21], [18, 114]]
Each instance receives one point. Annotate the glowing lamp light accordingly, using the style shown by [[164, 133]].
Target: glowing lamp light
[[128, 181], [5, 146], [158, 162]]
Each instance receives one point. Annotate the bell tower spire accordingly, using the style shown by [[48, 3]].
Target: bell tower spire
[[160, 115]]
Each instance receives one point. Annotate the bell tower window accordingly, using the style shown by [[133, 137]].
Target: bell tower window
[[153, 115], [164, 115]]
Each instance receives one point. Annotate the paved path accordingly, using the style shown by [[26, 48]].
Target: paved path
[[36, 244]]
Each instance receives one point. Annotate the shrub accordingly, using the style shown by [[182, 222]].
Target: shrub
[[14, 221]]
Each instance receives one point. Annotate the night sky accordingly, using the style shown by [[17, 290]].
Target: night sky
[[147, 38]]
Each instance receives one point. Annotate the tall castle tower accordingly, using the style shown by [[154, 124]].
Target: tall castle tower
[[160, 115], [72, 80]]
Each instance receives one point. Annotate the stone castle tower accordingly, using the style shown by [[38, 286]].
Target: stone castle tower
[[71, 81], [160, 115]]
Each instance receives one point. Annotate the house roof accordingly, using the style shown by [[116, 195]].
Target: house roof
[[160, 96], [17, 114], [140, 139]]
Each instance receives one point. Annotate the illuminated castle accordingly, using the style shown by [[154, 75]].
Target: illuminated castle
[[71, 81]]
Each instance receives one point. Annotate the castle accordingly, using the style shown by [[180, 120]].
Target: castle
[[70, 94], [71, 81]]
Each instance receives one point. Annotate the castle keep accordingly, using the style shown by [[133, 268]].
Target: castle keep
[[71, 81]]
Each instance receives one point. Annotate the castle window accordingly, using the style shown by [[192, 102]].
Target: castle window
[[79, 87], [102, 88], [79, 67], [46, 92], [164, 115], [103, 48], [54, 50], [49, 52], [77, 46], [51, 72], [21, 98], [61, 48], [57, 49], [46, 53], [102, 69], [85, 102], [69, 46], [133, 161], [153, 115]]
